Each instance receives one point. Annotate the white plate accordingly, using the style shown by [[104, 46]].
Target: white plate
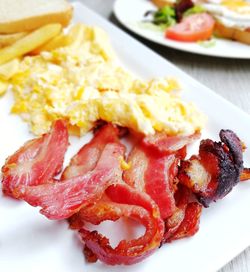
[[131, 12], [29, 242]]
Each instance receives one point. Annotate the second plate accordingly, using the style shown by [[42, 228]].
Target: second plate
[[131, 14]]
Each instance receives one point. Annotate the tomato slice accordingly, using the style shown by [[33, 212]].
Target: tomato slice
[[193, 28]]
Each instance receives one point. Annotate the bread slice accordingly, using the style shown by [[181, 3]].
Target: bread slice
[[26, 15], [162, 3], [8, 39], [239, 35]]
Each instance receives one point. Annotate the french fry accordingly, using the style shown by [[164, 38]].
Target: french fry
[[8, 39], [29, 42], [60, 40], [8, 69]]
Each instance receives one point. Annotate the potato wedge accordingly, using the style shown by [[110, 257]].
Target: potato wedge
[[8, 39], [29, 42]]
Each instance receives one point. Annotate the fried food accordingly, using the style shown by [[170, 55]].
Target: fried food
[[8, 39], [154, 191], [216, 170], [29, 42]]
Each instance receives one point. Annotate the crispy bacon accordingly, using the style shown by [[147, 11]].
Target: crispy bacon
[[153, 169], [186, 218], [190, 224], [160, 182], [172, 223], [36, 162], [245, 174], [89, 255], [121, 201], [216, 170], [60, 200], [154, 172], [91, 171], [93, 188], [87, 157], [170, 144]]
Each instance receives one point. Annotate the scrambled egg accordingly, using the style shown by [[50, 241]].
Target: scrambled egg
[[83, 82]]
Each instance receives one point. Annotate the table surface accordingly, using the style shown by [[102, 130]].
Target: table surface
[[228, 77]]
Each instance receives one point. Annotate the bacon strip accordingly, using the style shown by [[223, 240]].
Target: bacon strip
[[92, 189], [172, 223], [60, 200], [170, 144], [153, 169], [160, 182], [87, 157], [186, 218], [36, 162], [154, 174], [122, 201], [91, 171], [216, 170], [190, 224]]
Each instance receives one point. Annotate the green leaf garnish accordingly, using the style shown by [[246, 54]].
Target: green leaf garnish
[[194, 10], [165, 17], [207, 44]]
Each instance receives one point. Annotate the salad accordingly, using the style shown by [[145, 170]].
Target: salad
[[184, 21]]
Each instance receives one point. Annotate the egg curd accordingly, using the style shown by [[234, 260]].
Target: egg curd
[[83, 82]]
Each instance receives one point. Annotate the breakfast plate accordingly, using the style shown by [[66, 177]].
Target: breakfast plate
[[131, 14], [30, 242]]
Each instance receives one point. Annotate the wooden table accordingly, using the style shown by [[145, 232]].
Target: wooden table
[[228, 77]]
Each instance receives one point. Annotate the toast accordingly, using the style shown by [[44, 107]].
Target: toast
[[162, 3], [235, 34], [27, 15], [232, 19]]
